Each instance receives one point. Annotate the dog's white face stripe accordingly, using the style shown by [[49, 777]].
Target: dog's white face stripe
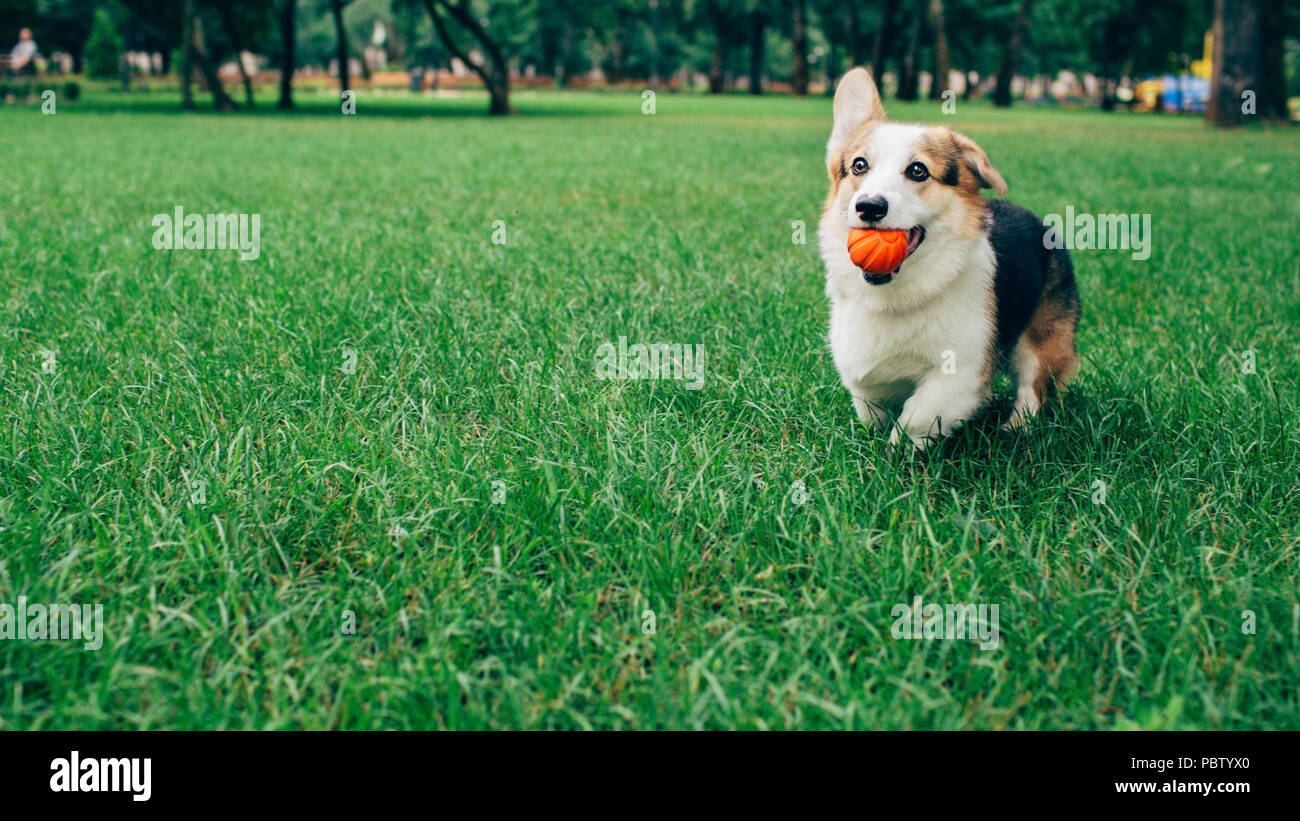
[[891, 150]]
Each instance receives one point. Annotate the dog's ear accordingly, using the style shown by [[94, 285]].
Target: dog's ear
[[978, 162], [856, 102]]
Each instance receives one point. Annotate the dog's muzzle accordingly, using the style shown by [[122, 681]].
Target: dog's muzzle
[[915, 236]]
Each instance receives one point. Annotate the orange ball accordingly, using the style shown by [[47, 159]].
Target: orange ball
[[878, 252]]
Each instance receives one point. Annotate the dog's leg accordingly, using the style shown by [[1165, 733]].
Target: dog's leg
[[940, 405], [1045, 357], [1025, 367]]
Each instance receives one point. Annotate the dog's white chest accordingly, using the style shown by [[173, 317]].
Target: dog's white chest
[[881, 350], [885, 353]]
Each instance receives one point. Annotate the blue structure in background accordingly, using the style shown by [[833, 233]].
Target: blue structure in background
[[1184, 93]]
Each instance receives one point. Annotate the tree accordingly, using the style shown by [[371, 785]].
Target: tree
[[880, 48], [723, 19], [244, 22], [842, 25], [187, 55], [1113, 32], [909, 78], [1274, 27], [57, 25], [942, 59], [1244, 70], [103, 47], [983, 38], [757, 33], [494, 70], [1011, 56], [195, 54], [152, 26], [615, 29], [286, 19], [799, 40], [341, 42], [857, 45]]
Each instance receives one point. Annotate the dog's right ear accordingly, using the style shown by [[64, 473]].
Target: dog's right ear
[[856, 102]]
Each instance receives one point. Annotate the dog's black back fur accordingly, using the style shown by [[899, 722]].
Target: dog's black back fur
[[1029, 276]]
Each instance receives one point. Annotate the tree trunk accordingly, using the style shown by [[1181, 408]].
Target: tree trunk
[[718, 66], [246, 77], [832, 67], [654, 44], [614, 74], [220, 99], [567, 49], [1108, 86], [858, 51], [195, 53], [942, 59], [496, 72], [800, 43], [1011, 56], [1247, 58], [124, 62], [187, 56], [365, 66], [757, 29], [909, 79], [237, 40], [341, 38], [1236, 60], [1272, 54], [499, 91], [884, 30], [287, 18]]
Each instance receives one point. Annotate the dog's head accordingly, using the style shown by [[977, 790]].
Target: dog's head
[[890, 176]]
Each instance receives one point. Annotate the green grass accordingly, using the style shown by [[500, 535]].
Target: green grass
[[477, 363]]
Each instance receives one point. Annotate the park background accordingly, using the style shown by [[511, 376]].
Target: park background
[[1153, 55], [372, 479]]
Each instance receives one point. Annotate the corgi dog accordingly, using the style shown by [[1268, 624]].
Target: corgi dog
[[978, 291]]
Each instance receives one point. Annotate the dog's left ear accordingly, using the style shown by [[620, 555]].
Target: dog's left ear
[[856, 102], [978, 162]]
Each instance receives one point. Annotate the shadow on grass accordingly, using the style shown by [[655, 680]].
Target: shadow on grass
[[309, 105], [1082, 428], [1087, 432]]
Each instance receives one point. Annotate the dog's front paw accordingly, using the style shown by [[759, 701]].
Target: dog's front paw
[[1020, 417], [900, 439]]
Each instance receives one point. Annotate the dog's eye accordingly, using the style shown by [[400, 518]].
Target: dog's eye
[[859, 166], [918, 172]]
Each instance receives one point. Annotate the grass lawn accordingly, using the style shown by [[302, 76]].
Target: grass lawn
[[200, 456]]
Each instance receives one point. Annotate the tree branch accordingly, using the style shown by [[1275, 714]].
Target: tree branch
[[450, 44]]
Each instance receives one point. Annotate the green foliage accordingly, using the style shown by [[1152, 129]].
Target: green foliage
[[58, 25], [103, 47]]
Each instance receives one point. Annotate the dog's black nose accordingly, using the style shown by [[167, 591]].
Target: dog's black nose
[[873, 209]]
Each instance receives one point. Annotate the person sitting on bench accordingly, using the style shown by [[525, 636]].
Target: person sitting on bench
[[22, 58]]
